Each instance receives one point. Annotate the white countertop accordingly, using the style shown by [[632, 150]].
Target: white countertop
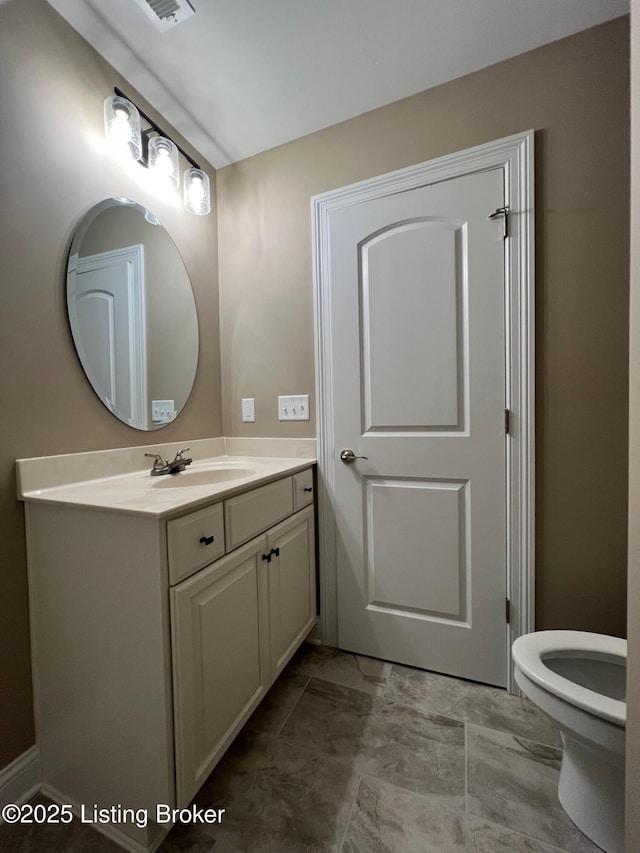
[[215, 477], [141, 494]]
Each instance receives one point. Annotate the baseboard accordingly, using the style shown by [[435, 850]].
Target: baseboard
[[111, 831], [315, 635], [21, 779]]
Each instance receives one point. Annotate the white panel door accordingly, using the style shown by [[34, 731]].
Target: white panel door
[[106, 304], [418, 355]]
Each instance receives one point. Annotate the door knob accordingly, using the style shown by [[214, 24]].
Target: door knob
[[348, 456]]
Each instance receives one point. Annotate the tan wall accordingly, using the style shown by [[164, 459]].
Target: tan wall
[[52, 170], [574, 94], [633, 673]]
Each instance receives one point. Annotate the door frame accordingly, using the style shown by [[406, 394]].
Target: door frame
[[515, 156]]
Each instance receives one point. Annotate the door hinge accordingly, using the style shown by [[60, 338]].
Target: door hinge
[[502, 212], [507, 610], [507, 421]]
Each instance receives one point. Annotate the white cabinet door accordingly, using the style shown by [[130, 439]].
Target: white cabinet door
[[221, 666], [292, 585]]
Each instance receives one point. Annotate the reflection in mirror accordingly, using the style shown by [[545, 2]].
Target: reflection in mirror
[[132, 313]]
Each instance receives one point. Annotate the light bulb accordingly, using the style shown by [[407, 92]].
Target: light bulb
[[197, 195], [196, 192], [163, 162], [122, 126], [120, 130]]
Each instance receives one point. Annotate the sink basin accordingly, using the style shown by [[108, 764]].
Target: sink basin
[[202, 477]]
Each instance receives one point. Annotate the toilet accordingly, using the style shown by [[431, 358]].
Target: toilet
[[579, 679]]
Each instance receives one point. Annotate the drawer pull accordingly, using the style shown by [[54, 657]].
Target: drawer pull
[[206, 540], [275, 552], [307, 489]]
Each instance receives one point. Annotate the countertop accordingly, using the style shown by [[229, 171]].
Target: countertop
[[203, 482]]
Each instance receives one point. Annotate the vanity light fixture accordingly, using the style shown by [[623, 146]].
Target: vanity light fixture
[[153, 149]]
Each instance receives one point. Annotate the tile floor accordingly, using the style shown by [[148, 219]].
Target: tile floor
[[348, 754]]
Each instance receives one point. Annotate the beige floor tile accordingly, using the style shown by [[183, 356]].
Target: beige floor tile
[[514, 782], [350, 670], [470, 702], [422, 752], [388, 819]]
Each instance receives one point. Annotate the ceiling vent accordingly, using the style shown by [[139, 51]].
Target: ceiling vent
[[166, 13]]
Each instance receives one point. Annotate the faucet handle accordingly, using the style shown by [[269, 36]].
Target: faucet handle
[[180, 452], [158, 461]]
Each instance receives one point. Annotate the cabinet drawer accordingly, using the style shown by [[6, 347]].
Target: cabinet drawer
[[194, 541], [302, 489], [249, 514]]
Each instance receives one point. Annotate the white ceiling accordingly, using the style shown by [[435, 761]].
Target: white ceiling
[[242, 76]]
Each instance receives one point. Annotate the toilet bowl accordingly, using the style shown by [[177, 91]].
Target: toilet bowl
[[578, 679]]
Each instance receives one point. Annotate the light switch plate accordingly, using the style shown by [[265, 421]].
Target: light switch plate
[[294, 407], [163, 411], [248, 410]]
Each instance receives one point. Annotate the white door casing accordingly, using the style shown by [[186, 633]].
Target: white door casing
[[387, 486]]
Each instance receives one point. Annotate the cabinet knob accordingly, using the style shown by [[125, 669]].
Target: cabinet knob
[[206, 540], [267, 557], [275, 552], [307, 489]]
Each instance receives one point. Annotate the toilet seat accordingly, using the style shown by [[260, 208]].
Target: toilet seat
[[528, 653]]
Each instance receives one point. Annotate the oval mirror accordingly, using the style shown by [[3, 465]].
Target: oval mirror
[[132, 313]]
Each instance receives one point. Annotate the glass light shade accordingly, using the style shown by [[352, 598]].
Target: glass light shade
[[163, 161], [122, 126], [197, 192]]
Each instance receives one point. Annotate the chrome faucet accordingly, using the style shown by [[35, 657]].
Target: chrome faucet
[[163, 466]]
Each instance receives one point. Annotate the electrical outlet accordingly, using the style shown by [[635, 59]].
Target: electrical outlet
[[294, 407], [248, 410], [163, 411]]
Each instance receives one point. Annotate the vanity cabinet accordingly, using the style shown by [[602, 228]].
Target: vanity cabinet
[[154, 638], [235, 624]]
